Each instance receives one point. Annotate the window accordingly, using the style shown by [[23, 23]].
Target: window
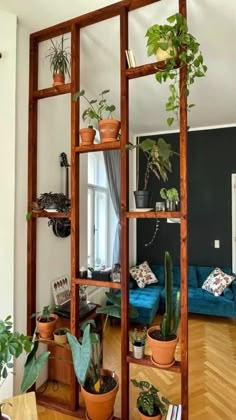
[[101, 216]]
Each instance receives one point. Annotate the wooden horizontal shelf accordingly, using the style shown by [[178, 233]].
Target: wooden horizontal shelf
[[101, 283], [154, 215], [146, 361], [146, 69], [99, 146], [51, 215], [52, 91]]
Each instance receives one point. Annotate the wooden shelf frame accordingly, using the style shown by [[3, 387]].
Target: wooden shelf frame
[[73, 26]]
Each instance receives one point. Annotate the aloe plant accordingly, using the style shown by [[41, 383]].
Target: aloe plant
[[171, 318]]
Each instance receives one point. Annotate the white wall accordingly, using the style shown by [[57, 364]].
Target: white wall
[[7, 167]]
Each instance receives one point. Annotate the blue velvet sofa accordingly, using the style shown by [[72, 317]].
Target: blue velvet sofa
[[151, 299]]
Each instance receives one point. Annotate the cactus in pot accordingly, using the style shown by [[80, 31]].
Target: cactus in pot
[[163, 340]]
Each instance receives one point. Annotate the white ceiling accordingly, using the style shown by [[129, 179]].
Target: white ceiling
[[212, 22]]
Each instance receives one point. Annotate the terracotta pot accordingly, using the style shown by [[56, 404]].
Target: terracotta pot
[[143, 417], [87, 136], [58, 79], [162, 351], [59, 338], [100, 406], [109, 129], [46, 329]]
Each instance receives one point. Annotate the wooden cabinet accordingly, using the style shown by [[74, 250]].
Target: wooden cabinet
[[120, 9]]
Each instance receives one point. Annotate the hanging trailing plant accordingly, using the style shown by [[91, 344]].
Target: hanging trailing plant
[[181, 48]]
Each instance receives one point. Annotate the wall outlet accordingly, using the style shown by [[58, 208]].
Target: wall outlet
[[217, 243]]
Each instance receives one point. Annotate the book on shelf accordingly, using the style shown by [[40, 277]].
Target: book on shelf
[[130, 58], [174, 412]]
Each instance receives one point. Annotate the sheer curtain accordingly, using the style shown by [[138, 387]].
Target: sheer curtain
[[112, 165]]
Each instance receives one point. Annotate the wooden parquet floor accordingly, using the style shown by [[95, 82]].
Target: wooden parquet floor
[[212, 371]]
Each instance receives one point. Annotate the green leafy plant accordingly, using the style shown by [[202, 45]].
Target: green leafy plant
[[45, 313], [59, 57], [13, 344], [138, 336], [171, 318], [149, 402], [158, 154], [98, 109], [183, 49], [169, 194]]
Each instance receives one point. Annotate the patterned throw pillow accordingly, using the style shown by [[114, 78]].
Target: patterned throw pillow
[[217, 281], [143, 274]]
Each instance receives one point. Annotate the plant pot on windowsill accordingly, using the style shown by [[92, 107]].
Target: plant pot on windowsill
[[87, 136], [142, 198], [109, 129]]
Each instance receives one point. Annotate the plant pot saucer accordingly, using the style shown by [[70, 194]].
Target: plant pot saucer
[[163, 366], [110, 418], [109, 140]]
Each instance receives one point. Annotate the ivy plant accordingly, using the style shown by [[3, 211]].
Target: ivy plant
[[184, 50]]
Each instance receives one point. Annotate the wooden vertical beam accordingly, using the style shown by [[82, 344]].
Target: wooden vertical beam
[[124, 106], [75, 77], [32, 186], [184, 233]]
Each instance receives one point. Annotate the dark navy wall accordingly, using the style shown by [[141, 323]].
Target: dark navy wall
[[211, 161]]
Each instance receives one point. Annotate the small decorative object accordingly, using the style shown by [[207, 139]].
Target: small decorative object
[[100, 111], [172, 198], [82, 292], [46, 321], [163, 340], [60, 336], [160, 206], [180, 47], [115, 274], [138, 340], [83, 272], [59, 58], [149, 403]]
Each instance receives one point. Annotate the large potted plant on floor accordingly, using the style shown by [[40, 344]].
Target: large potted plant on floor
[[12, 345], [174, 44], [59, 59], [150, 405], [98, 386], [100, 111], [158, 155], [163, 340]]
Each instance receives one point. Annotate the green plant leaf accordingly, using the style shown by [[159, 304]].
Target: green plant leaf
[[32, 369], [81, 354], [170, 121]]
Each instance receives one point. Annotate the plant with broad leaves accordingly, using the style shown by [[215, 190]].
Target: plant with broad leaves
[[183, 50], [45, 313], [169, 194], [158, 154], [149, 402], [98, 108], [13, 344]]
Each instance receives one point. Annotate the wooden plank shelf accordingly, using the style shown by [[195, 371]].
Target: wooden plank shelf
[[154, 215], [99, 283], [146, 69], [51, 215], [52, 91], [146, 361], [98, 147]]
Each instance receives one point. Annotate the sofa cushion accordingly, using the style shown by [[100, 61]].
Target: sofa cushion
[[203, 272], [217, 281], [143, 274], [228, 294], [202, 302], [158, 270], [146, 301]]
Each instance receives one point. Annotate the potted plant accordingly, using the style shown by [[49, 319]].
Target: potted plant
[[171, 196], [100, 111], [59, 59], [46, 321], [13, 344], [179, 48], [158, 154], [149, 403], [163, 340], [60, 336], [98, 386], [138, 340]]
